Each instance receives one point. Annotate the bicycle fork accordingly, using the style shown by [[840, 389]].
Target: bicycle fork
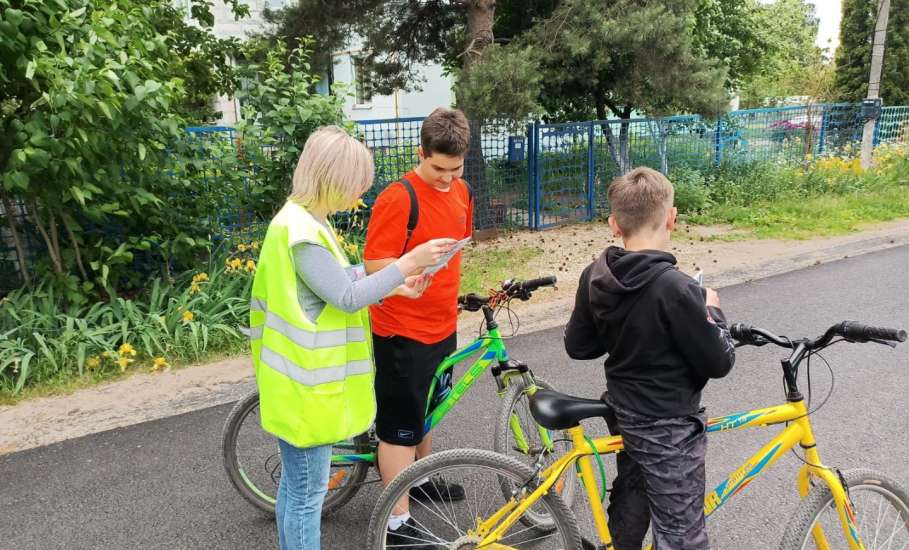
[[813, 468]]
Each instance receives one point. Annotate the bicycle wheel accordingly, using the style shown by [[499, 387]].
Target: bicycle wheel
[[881, 509], [253, 462], [517, 435], [453, 524]]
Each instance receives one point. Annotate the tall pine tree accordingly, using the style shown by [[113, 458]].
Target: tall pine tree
[[853, 57]]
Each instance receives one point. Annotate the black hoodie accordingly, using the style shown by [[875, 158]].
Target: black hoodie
[[663, 341]]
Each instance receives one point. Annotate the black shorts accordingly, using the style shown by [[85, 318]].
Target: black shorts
[[404, 372]]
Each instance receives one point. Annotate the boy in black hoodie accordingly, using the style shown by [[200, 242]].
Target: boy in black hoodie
[[665, 336]]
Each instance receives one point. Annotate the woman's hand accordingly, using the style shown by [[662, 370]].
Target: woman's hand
[[424, 255], [413, 286]]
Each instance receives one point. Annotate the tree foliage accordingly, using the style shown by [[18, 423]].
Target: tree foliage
[[794, 65], [326, 23], [94, 162], [853, 57]]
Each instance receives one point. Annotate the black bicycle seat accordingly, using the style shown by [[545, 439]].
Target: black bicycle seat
[[557, 411]]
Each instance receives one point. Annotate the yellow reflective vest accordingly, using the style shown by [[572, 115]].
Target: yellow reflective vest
[[315, 376]]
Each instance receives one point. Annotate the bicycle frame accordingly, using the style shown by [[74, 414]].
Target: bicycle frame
[[797, 432], [493, 350]]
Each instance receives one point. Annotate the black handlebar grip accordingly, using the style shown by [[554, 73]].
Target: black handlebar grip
[[862, 333], [741, 332], [534, 284]]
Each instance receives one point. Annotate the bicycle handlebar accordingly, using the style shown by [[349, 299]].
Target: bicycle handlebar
[[514, 287], [850, 330], [510, 289]]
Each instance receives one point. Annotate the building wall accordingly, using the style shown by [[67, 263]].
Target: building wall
[[436, 91], [436, 87]]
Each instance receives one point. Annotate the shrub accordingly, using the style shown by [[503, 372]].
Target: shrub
[[691, 191]]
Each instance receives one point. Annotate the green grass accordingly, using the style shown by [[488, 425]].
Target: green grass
[[67, 383], [802, 218], [485, 267]]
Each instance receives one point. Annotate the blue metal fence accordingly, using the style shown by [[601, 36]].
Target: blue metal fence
[[498, 176], [547, 174], [559, 173]]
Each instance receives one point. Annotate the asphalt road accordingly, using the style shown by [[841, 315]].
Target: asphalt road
[[161, 485]]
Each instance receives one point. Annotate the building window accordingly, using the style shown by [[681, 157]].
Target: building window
[[359, 77]]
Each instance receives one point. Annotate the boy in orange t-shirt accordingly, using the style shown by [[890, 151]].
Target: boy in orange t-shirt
[[411, 337]]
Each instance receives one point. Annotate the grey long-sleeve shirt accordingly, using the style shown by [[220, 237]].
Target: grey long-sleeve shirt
[[324, 280]]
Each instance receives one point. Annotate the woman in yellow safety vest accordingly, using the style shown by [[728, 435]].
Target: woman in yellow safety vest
[[310, 326]]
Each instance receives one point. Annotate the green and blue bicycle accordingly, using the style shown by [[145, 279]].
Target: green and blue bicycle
[[253, 462]]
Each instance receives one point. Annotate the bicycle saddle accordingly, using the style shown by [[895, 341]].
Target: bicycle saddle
[[557, 411]]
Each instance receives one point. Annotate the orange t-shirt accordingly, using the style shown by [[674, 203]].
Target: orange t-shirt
[[443, 214]]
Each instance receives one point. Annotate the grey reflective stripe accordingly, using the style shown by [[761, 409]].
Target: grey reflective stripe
[[314, 340], [255, 333], [255, 304], [314, 377]]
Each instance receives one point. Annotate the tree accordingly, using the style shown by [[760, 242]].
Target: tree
[[853, 57], [793, 65], [92, 97], [737, 33], [199, 57], [328, 25], [627, 55]]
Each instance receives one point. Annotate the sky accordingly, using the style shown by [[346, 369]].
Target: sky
[[829, 12]]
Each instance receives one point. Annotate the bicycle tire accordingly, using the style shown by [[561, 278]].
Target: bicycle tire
[[502, 444], [798, 532], [446, 461], [263, 498]]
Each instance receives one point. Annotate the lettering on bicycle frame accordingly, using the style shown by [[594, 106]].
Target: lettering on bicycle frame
[[737, 481], [475, 371]]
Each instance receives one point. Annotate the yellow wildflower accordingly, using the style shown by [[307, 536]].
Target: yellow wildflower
[[241, 247], [194, 288], [108, 355], [236, 263], [123, 362], [160, 363], [352, 248], [187, 316], [255, 245], [126, 349], [200, 277], [250, 265], [93, 362]]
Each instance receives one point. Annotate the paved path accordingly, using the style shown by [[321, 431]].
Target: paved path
[[160, 484]]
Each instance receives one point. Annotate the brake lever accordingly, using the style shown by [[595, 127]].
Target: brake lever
[[756, 342], [883, 342]]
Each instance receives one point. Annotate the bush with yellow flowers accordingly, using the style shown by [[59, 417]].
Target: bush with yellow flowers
[[183, 319]]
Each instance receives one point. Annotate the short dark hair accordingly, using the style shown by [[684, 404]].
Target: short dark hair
[[640, 199], [445, 131]]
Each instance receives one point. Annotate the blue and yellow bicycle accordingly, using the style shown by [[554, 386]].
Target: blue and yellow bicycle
[[853, 509], [253, 463]]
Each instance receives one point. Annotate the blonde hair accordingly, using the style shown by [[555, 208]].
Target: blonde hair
[[333, 171], [640, 199]]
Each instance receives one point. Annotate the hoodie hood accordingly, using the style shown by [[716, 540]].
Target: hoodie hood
[[617, 276]]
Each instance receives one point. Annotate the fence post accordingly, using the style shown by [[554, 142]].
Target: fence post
[[877, 130], [531, 159], [822, 134], [591, 172], [718, 143]]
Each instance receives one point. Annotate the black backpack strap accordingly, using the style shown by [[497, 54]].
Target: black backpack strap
[[414, 216]]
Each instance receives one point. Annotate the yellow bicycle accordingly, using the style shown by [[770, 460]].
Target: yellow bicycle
[[854, 509]]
